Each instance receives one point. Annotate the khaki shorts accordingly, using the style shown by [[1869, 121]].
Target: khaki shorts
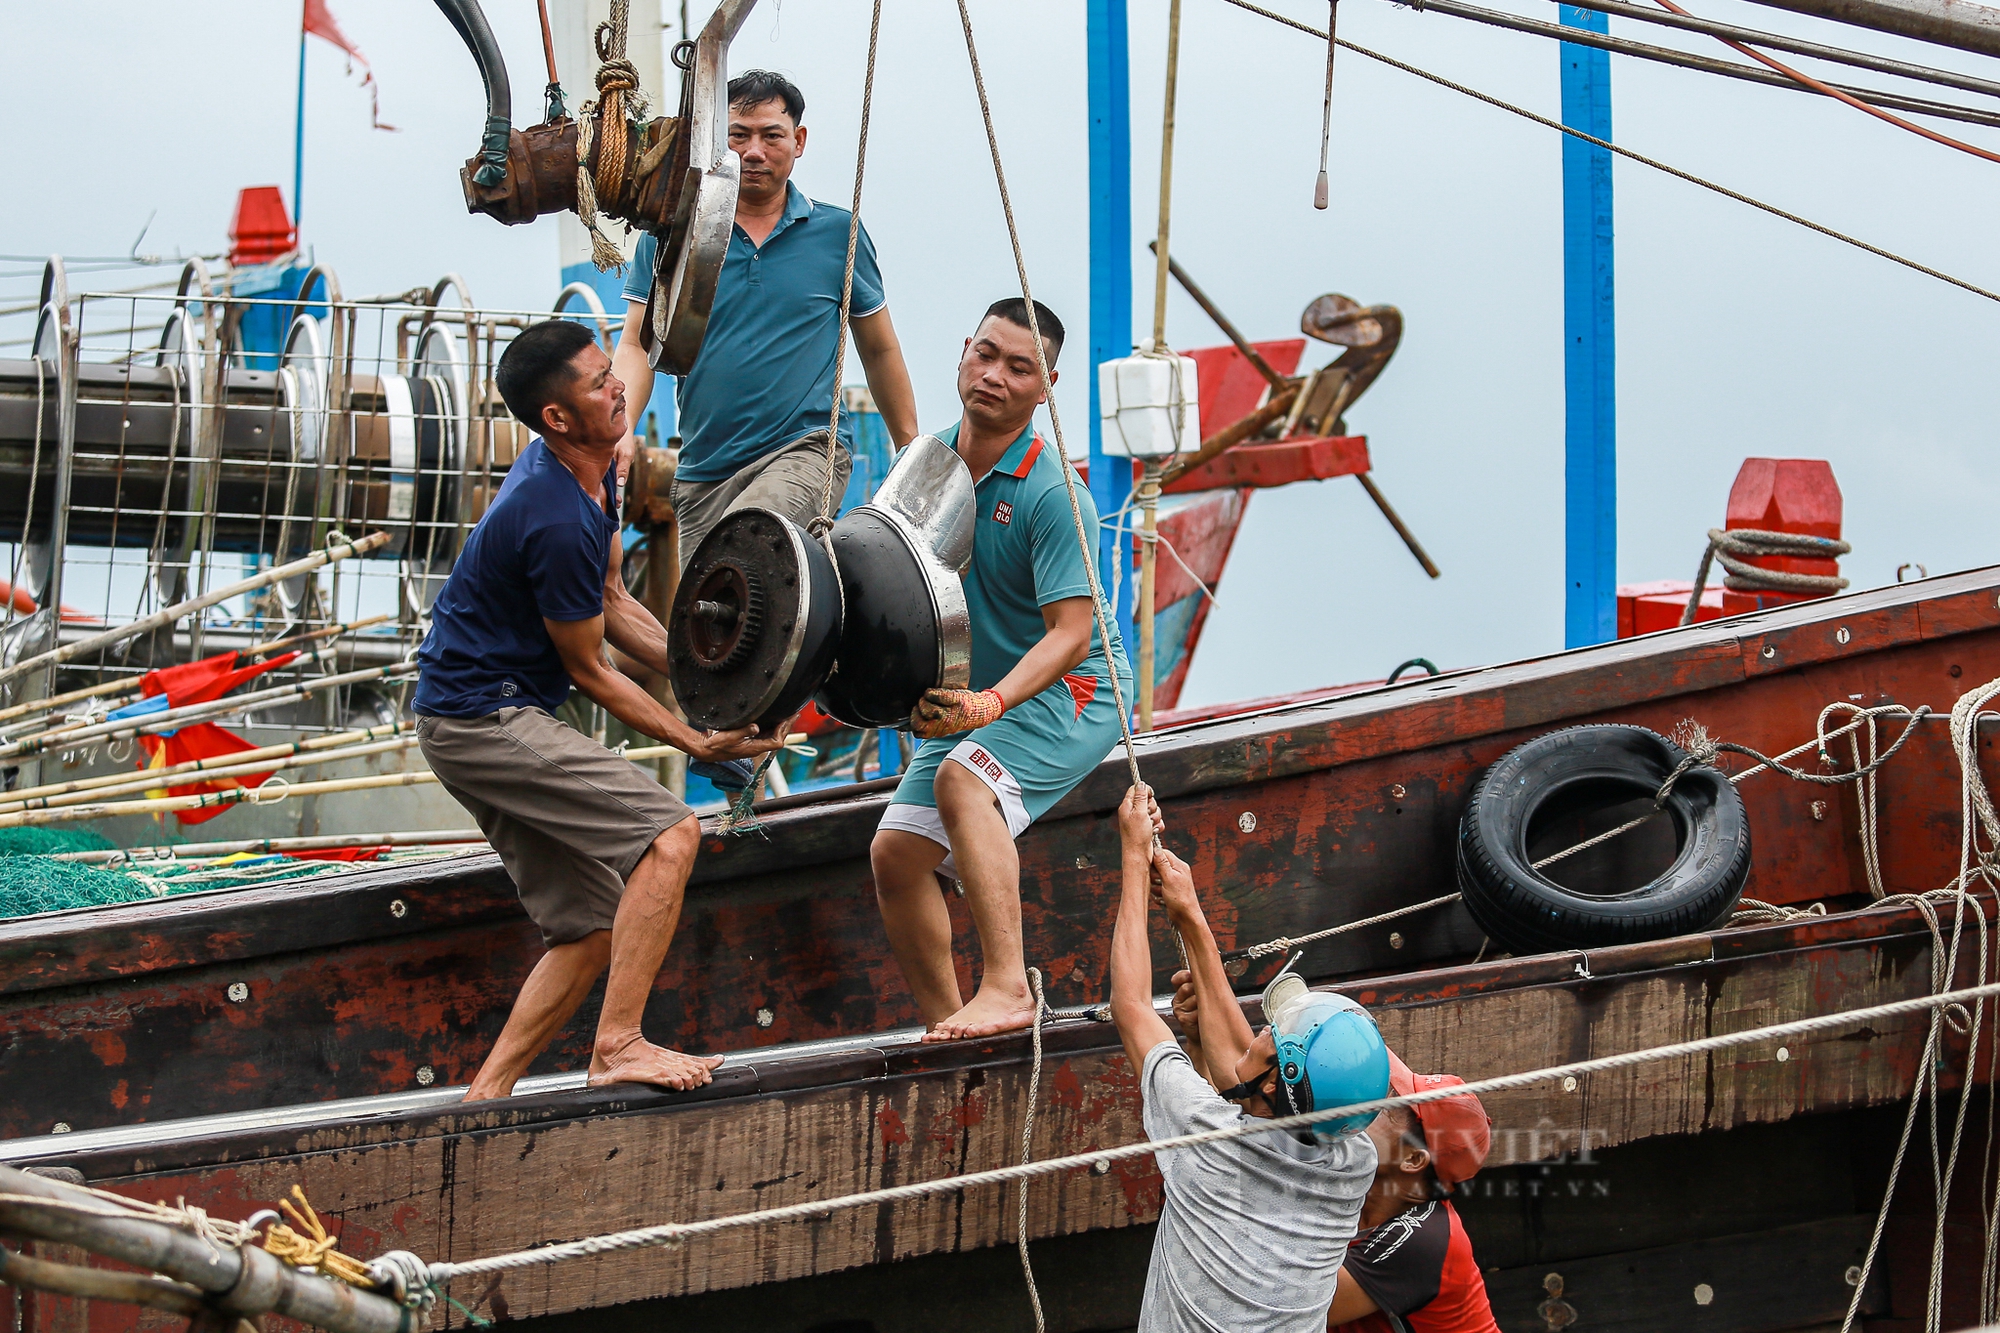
[[789, 480], [570, 819]]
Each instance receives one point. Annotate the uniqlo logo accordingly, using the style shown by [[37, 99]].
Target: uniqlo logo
[[1003, 512], [987, 762]]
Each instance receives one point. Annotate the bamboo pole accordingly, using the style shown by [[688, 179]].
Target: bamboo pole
[[152, 780], [201, 851], [1149, 483], [1149, 543], [71, 814], [160, 619], [130, 684], [219, 761], [172, 718]]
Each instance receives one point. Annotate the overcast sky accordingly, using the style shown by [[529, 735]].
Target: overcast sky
[[1738, 333]]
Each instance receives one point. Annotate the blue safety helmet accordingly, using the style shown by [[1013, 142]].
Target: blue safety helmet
[[1330, 1053]]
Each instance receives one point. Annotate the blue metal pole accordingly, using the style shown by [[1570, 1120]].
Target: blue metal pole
[[299, 132], [1110, 100], [1590, 612]]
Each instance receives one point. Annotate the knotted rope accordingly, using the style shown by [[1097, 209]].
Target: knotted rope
[[1734, 547], [606, 123]]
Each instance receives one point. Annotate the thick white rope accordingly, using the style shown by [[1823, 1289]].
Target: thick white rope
[[1285, 943], [1974, 803], [673, 1233], [1027, 1146]]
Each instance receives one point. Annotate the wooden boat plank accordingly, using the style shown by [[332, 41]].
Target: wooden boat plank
[[468, 1185]]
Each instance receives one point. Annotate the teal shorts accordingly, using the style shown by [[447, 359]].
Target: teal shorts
[[1031, 758]]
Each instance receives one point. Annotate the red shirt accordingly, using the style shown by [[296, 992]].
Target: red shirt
[[1418, 1269]]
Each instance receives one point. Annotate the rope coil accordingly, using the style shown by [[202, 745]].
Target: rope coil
[[1735, 547]]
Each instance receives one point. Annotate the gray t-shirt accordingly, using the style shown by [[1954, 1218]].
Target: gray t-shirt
[[1254, 1229]]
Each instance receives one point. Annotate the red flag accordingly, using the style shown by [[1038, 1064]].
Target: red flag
[[319, 21], [210, 678], [197, 683]]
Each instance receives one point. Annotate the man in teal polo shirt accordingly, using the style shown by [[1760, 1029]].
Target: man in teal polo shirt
[[1040, 714], [754, 408]]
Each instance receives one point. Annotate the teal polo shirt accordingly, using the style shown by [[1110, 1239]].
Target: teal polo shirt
[[1024, 556], [765, 373]]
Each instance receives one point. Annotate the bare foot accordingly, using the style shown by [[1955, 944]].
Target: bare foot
[[993, 1010], [633, 1059]]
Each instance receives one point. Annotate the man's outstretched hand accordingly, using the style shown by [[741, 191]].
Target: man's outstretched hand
[[948, 712], [742, 743]]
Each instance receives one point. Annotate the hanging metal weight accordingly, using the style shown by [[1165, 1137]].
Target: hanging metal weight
[[906, 627], [755, 625]]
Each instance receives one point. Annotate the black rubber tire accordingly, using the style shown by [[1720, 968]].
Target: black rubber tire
[[1526, 912]]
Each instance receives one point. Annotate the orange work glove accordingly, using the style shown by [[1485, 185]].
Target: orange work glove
[[948, 712]]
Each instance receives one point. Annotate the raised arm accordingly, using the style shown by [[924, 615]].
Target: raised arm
[[888, 378], [1225, 1033], [1139, 1026]]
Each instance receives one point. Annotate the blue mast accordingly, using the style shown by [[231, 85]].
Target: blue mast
[[1590, 546], [1110, 101], [299, 131]]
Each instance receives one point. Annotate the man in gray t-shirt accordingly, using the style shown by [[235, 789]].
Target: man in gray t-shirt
[[1254, 1229]]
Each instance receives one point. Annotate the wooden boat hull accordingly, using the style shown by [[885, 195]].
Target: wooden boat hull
[[452, 1182], [390, 980]]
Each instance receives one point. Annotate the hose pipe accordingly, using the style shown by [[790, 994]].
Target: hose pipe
[[470, 21]]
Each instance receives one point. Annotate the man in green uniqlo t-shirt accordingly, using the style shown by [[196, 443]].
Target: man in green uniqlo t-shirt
[[1041, 710]]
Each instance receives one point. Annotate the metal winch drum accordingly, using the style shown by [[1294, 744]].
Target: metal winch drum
[[907, 628], [764, 621], [756, 622]]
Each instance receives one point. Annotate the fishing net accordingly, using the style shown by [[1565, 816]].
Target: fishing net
[[32, 880]]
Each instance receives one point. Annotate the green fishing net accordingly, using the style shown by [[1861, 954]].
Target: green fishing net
[[32, 880]]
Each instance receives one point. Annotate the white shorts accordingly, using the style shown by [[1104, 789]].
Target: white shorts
[[925, 822]]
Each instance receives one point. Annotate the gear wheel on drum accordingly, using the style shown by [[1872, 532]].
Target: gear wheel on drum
[[726, 617]]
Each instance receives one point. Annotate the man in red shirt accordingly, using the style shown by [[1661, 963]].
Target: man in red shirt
[[1411, 1270]]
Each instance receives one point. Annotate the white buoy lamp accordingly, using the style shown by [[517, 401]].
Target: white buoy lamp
[[1150, 406]]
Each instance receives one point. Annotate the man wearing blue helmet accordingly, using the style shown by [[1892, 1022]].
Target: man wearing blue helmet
[[1252, 1230]]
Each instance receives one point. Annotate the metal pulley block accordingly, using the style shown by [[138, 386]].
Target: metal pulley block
[[906, 627], [755, 624], [688, 263]]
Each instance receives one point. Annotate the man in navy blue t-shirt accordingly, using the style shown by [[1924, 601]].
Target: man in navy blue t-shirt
[[599, 851]]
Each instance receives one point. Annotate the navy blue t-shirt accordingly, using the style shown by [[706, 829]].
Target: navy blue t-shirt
[[541, 552]]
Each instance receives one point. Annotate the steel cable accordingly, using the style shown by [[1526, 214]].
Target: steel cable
[[1640, 158]]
